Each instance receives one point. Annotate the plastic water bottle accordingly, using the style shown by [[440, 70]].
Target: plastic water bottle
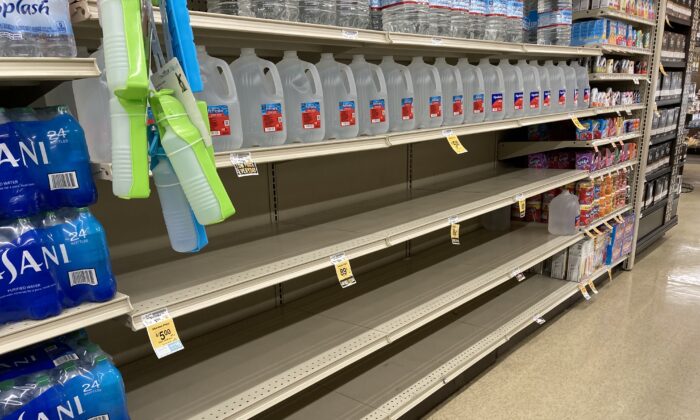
[[259, 85], [460, 19], [533, 88], [495, 22], [571, 88], [303, 99], [583, 87], [277, 9], [428, 100], [372, 96], [530, 21], [185, 233], [399, 84], [514, 20], [494, 89], [320, 12], [223, 105], [452, 92], [87, 275], [440, 17], [339, 98], [563, 212], [92, 104], [546, 89], [400, 16], [474, 94], [477, 22], [37, 28], [557, 84], [375, 15], [514, 102], [231, 7], [28, 290], [353, 13], [554, 22]]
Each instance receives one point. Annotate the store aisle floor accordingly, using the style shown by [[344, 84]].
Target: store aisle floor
[[633, 352]]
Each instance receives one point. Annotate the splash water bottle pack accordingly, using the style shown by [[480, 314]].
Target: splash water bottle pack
[[44, 162], [68, 377]]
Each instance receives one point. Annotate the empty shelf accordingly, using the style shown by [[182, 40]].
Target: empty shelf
[[255, 364], [21, 334], [207, 279], [511, 149]]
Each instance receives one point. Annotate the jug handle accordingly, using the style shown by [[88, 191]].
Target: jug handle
[[458, 78], [379, 75], [276, 80], [407, 78], [436, 77], [315, 77], [228, 77], [351, 80]]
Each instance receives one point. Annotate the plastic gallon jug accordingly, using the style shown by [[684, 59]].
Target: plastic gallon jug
[[262, 111], [571, 88], [372, 96], [339, 98], [514, 102], [223, 105], [86, 276], [494, 88], [583, 87], [452, 92], [303, 99], [428, 100], [92, 104], [473, 83], [563, 212], [28, 290], [557, 83], [546, 90], [532, 88], [402, 115], [184, 232]]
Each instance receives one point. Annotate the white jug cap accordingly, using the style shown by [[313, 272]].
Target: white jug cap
[[388, 59], [417, 59], [326, 56], [247, 51], [290, 54], [440, 60], [358, 57]]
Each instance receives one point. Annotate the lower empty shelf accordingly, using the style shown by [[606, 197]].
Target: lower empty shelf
[[255, 364]]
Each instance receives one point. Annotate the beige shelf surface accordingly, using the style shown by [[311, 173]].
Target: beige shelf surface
[[207, 279], [619, 167], [617, 14], [278, 354], [609, 77], [102, 170], [21, 334], [14, 69], [512, 149]]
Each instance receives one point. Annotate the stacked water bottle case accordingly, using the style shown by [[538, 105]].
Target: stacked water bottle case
[[53, 252]]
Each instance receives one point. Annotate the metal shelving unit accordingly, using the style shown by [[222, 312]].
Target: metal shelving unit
[[325, 332], [612, 13], [46, 69], [511, 149]]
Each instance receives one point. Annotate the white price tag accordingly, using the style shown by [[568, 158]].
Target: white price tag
[[539, 320], [350, 34], [243, 164], [517, 274], [437, 41]]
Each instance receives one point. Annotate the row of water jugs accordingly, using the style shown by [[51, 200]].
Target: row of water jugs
[[298, 102]]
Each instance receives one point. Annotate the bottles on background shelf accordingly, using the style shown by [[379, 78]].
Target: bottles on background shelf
[[440, 17], [514, 20], [460, 19], [408, 17], [477, 23], [495, 20], [354, 14], [554, 22], [320, 12], [36, 28]]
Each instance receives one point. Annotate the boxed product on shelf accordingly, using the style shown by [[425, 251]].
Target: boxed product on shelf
[[66, 377], [602, 128], [608, 31], [580, 262], [559, 265]]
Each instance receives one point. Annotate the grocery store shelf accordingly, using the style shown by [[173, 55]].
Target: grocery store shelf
[[622, 50], [606, 219], [207, 279], [661, 138], [512, 149], [669, 101], [14, 69], [673, 64], [279, 353], [21, 334], [656, 234], [677, 20], [654, 207], [656, 173], [617, 14], [617, 77], [613, 168], [102, 170], [663, 130], [225, 31]]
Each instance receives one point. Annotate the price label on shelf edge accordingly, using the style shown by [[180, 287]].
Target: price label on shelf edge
[[454, 142], [520, 199], [350, 34], [576, 122], [584, 292], [343, 270], [592, 286], [243, 164], [162, 333], [539, 320], [517, 274]]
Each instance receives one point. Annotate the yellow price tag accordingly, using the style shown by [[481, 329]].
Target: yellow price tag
[[589, 234], [454, 142], [162, 333], [521, 207], [607, 225], [662, 70], [592, 286], [454, 233], [343, 270], [577, 123], [610, 274], [584, 292]]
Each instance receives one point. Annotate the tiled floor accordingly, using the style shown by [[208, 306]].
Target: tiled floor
[[633, 352]]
